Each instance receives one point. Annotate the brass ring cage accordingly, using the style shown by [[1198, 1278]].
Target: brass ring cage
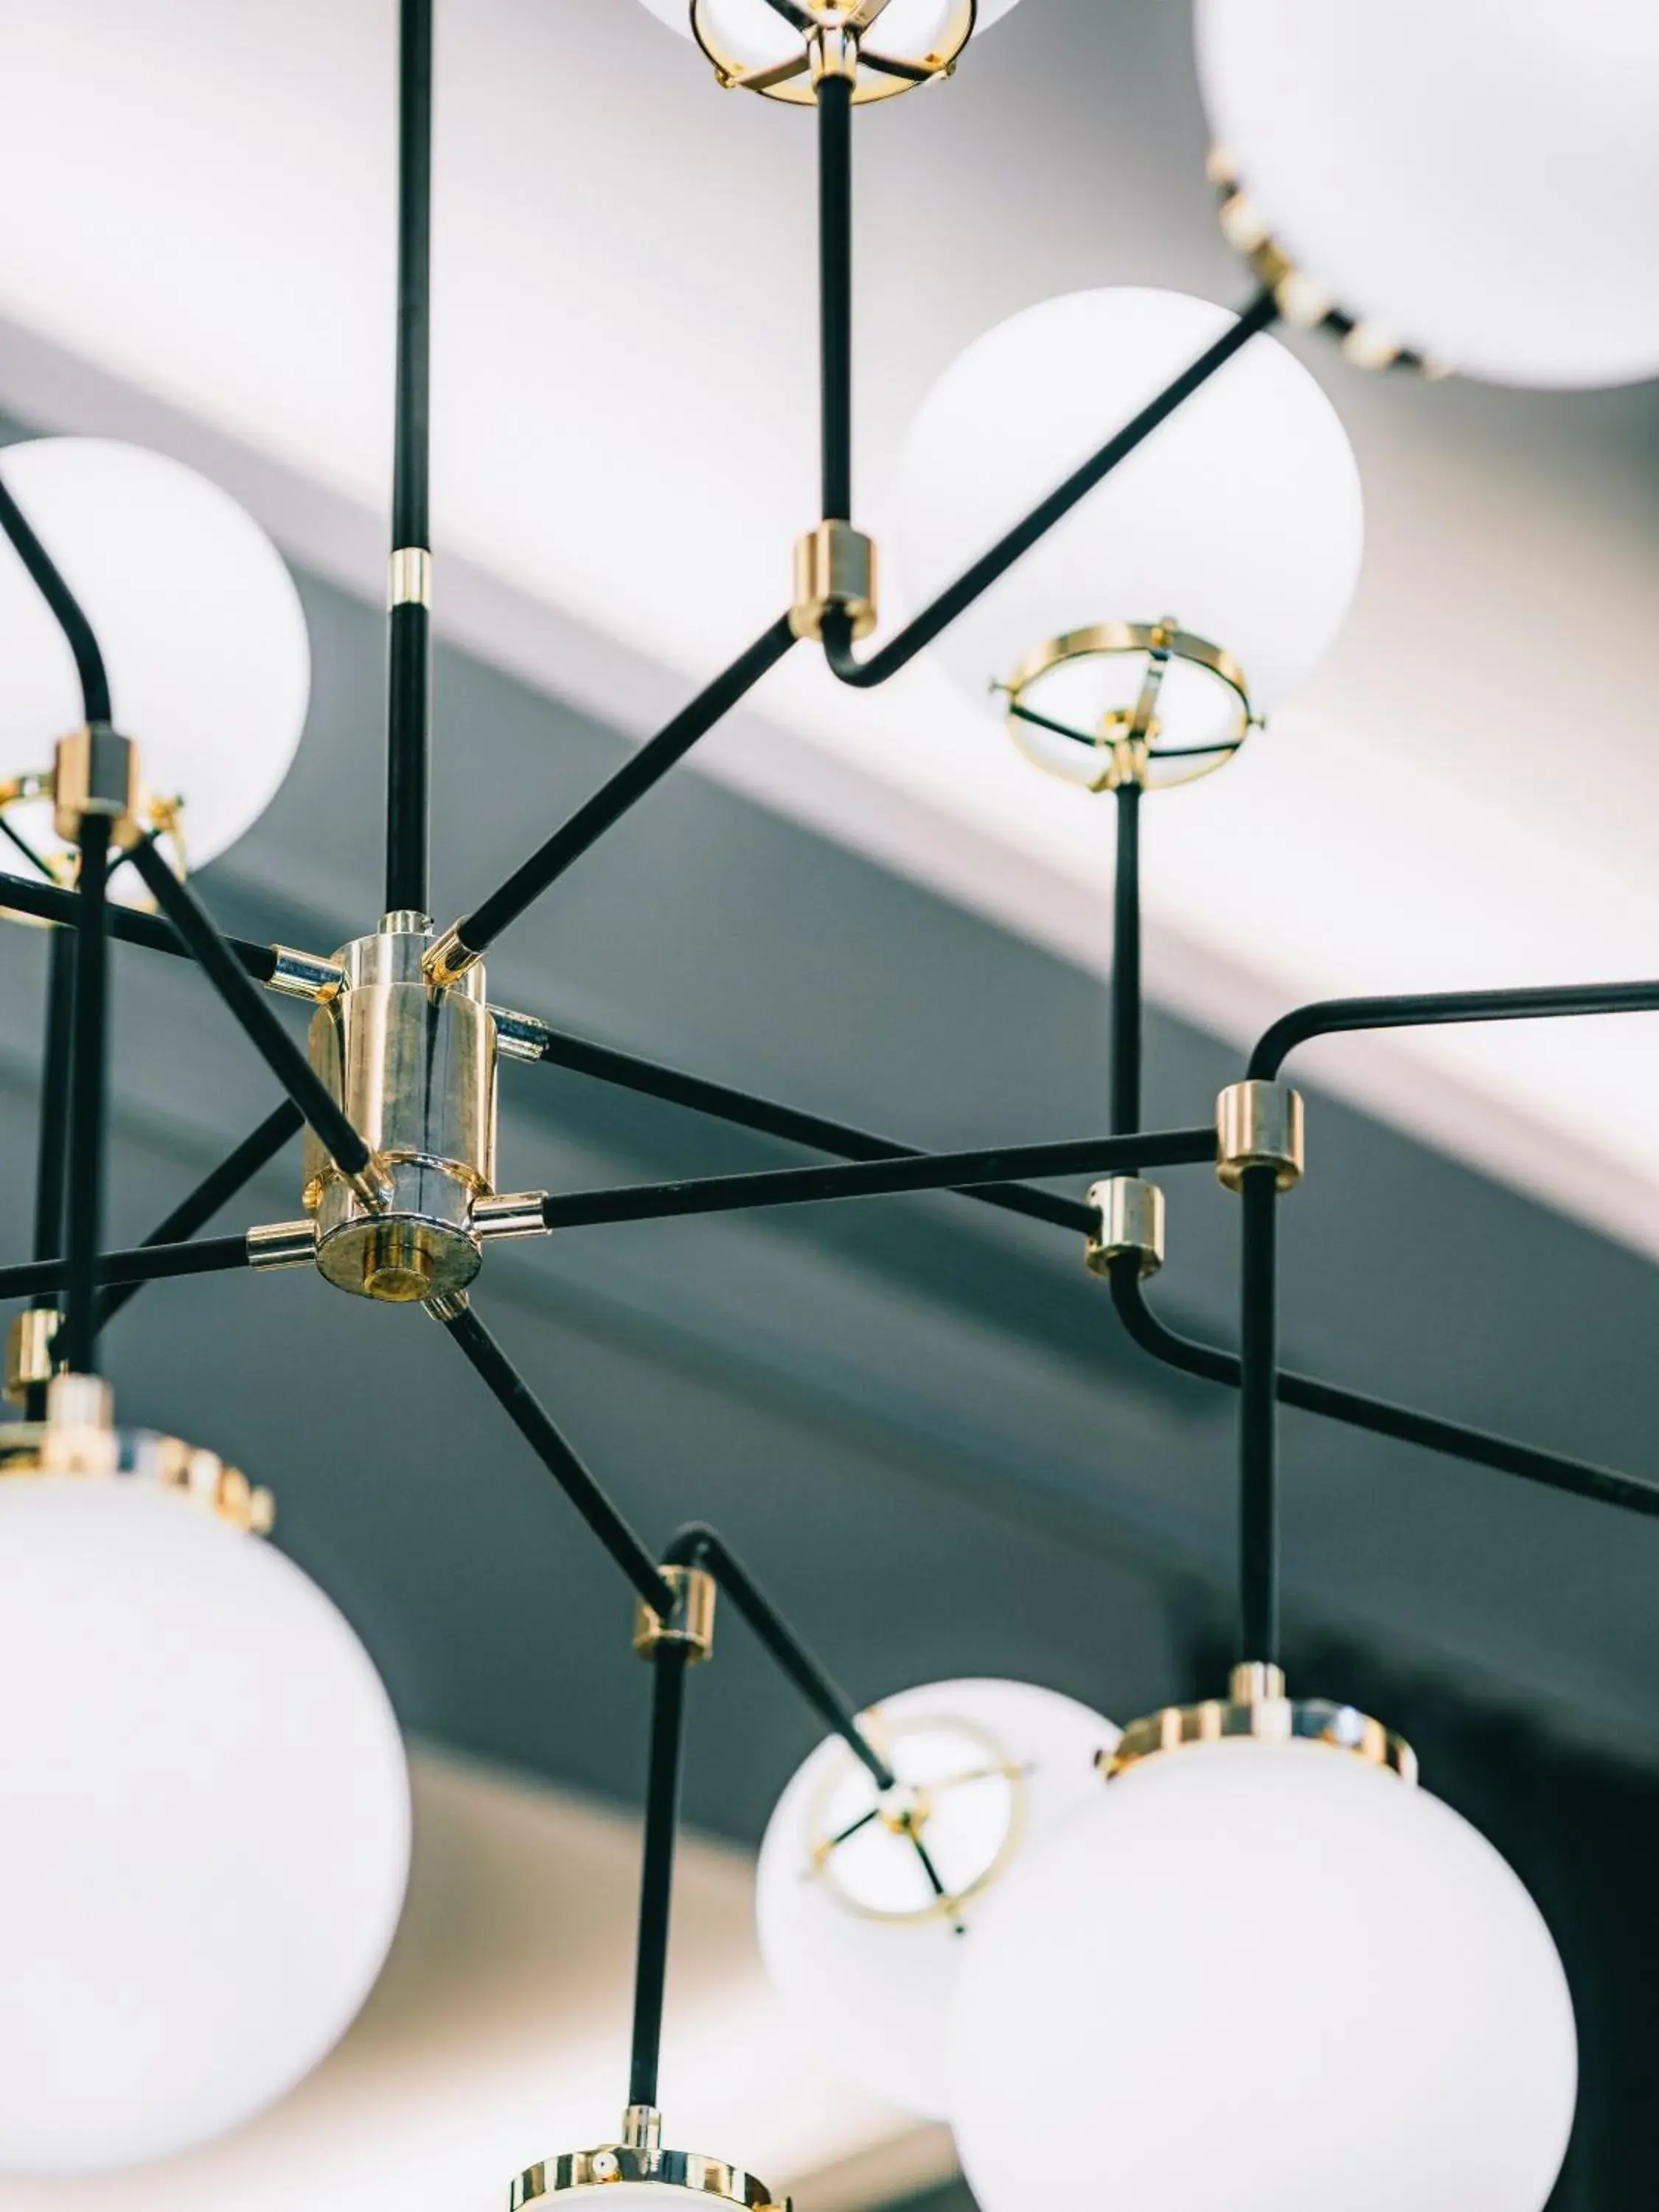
[[876, 75], [1124, 745]]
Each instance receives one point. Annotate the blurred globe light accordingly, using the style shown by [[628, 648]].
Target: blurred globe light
[[200, 627], [1257, 1977], [1241, 516], [854, 1938], [1477, 180], [205, 1824]]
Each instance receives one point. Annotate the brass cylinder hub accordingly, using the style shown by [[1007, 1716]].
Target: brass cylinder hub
[[413, 1066]]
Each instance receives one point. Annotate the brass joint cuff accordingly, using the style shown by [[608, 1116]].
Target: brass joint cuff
[[29, 1359], [449, 957], [1260, 1125], [304, 975], [836, 573], [518, 1036], [447, 1305], [519, 1213], [1257, 1708], [281, 1244], [691, 1623], [1131, 1221], [95, 772], [835, 51], [409, 578]]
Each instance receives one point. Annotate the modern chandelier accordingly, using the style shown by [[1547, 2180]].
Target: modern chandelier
[[1230, 1957]]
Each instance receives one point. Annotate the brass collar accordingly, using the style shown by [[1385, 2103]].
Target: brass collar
[[1257, 1708]]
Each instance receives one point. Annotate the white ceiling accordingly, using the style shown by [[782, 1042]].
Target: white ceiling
[[626, 446]]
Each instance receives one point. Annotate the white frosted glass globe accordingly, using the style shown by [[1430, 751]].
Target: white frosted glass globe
[[1256, 1977], [1241, 516], [204, 1825], [199, 622], [754, 34], [863, 1967], [1478, 178]]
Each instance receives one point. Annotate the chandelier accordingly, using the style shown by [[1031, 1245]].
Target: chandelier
[[1149, 1964]]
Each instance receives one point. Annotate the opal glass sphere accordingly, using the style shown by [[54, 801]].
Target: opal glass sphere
[[1479, 180], [204, 1825], [199, 622], [851, 1932], [1241, 516], [1263, 1978]]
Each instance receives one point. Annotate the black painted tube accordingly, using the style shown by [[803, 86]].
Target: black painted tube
[[65, 607], [879, 1178], [835, 104], [1431, 1009], [1127, 1018], [973, 582], [409, 645], [1258, 1420], [662, 1819], [88, 1105], [142, 1263], [125, 924], [522, 1408]]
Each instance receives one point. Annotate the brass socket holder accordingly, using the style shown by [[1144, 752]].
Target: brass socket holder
[[640, 2157], [1303, 302], [1131, 1212], [1260, 1125], [836, 573], [833, 43], [78, 1437], [691, 1623], [1256, 1707], [95, 772], [29, 1359], [1123, 747]]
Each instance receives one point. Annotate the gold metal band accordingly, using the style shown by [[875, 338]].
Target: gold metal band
[[281, 1244], [409, 580], [1257, 1708], [518, 1036], [78, 1439], [1260, 1125], [691, 1624], [28, 1352], [95, 772], [835, 571], [304, 975], [1126, 738], [447, 959], [1131, 1213], [518, 1214], [837, 34]]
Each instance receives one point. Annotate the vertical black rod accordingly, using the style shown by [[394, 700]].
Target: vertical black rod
[[53, 1149], [1258, 1420], [88, 1096], [662, 1815], [836, 291], [1126, 1020], [409, 661]]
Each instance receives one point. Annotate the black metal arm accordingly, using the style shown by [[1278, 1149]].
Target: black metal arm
[[1258, 1420], [881, 1178], [87, 1105], [65, 607], [973, 582], [408, 643], [1439, 1009], [49, 903], [143, 1263], [835, 107], [662, 1819], [52, 1143]]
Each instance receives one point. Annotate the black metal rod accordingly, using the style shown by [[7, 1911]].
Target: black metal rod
[[956, 598], [698, 1545], [835, 102], [52, 1155], [217, 958], [877, 1178], [232, 1173], [65, 607], [662, 1820], [479, 931], [724, 1103], [409, 645], [524, 1410], [88, 1104], [49, 903], [1127, 1013], [1258, 1420], [142, 1263], [1553, 1470], [1332, 1016]]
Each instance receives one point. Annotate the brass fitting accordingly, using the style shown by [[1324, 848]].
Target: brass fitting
[[1257, 1708], [95, 772], [516, 1213], [447, 959], [1260, 1125], [835, 51], [306, 975], [691, 1623], [283, 1244], [835, 572], [28, 1352], [409, 578], [79, 1436], [1131, 1213]]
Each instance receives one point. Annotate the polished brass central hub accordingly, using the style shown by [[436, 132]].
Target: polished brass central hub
[[413, 1064]]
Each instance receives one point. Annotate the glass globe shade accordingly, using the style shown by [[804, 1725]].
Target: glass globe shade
[[204, 1825], [1263, 1978], [1241, 516], [755, 33], [200, 627], [1479, 180], [851, 1935]]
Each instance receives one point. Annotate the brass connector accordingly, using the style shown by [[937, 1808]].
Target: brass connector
[[79, 1436], [281, 1244], [835, 572], [304, 975], [1260, 1125], [447, 959], [835, 51], [409, 578], [1131, 1213], [518, 1036], [690, 1624], [28, 1352], [511, 1214], [1257, 1708], [95, 772]]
